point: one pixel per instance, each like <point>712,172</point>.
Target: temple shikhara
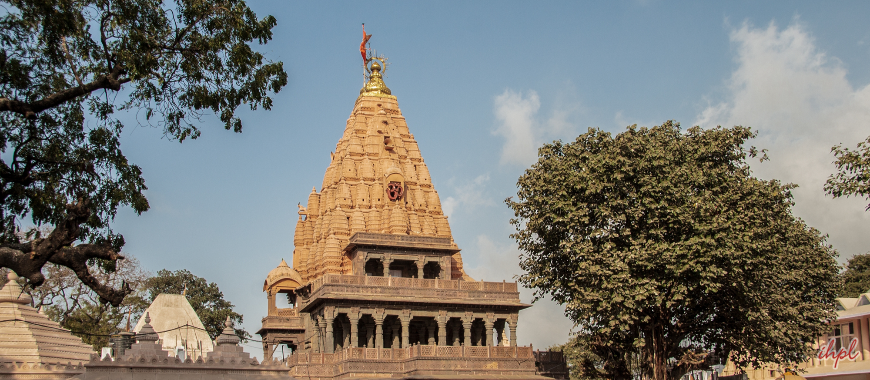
<point>377,284</point>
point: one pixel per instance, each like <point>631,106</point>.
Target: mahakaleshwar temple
<point>376,290</point>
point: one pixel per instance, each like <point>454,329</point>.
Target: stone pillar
<point>329,342</point>
<point>446,263</point>
<point>420,263</point>
<point>328,319</point>
<point>266,350</point>
<point>442,329</point>
<point>370,335</point>
<point>405,318</point>
<point>488,325</point>
<point>512,325</point>
<point>272,306</point>
<point>354,326</point>
<point>387,261</point>
<point>379,328</point>
<point>466,324</point>
<point>456,326</point>
<point>321,326</point>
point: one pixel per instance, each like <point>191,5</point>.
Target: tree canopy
<point>856,278</point>
<point>66,67</point>
<point>853,172</point>
<point>660,241</point>
<point>205,297</point>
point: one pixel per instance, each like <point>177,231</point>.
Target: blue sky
<point>482,84</point>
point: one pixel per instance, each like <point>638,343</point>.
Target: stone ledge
<point>404,241</point>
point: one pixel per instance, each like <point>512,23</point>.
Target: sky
<point>482,85</point>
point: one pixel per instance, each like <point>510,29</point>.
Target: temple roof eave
<point>370,239</point>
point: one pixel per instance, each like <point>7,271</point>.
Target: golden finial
<point>375,85</point>
<point>375,81</point>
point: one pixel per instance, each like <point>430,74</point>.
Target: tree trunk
<point>657,352</point>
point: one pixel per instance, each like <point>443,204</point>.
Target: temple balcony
<point>409,290</point>
<point>283,319</point>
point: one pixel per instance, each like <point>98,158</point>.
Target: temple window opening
<point>403,268</point>
<point>285,299</point>
<point>374,267</point>
<point>432,270</point>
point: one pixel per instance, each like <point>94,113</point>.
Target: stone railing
<point>433,351</point>
<point>417,283</point>
<point>287,313</point>
<point>416,361</point>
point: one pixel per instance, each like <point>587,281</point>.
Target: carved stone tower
<point>377,182</point>
<point>377,280</point>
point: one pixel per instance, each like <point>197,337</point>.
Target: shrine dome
<point>282,272</point>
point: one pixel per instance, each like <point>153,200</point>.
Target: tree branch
<point>76,258</point>
<point>29,110</point>
<point>27,259</point>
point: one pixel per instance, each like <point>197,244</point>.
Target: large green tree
<point>66,67</point>
<point>661,241</point>
<point>853,172</point>
<point>205,297</point>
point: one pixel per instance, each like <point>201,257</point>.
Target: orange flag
<point>362,46</point>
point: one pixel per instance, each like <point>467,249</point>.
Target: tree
<point>590,358</point>
<point>205,297</point>
<point>856,278</point>
<point>67,301</point>
<point>660,240</point>
<point>65,62</point>
<point>853,172</point>
<point>583,363</point>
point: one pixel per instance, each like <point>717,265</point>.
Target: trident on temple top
<point>367,58</point>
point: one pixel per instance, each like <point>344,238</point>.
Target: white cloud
<point>800,101</point>
<point>542,325</point>
<point>516,117</point>
<point>518,122</point>
<point>469,194</point>
<point>448,205</point>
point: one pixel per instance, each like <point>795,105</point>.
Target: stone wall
<point>154,368</point>
<point>20,370</point>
